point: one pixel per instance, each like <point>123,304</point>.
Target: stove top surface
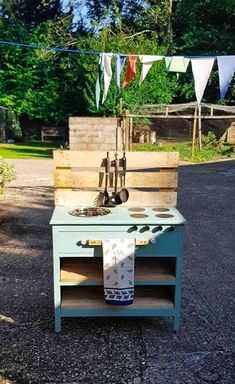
<point>119,216</point>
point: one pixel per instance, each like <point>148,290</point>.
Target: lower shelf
<point>92,298</point>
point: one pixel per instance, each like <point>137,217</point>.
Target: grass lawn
<point>29,150</point>
<point>207,153</point>
<point>39,150</point>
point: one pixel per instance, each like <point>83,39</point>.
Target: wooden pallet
<point>151,178</point>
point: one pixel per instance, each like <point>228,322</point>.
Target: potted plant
<point>7,173</point>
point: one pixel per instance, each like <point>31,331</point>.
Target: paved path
<point>33,173</point>
<point>118,351</point>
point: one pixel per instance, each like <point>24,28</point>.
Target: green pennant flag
<point>177,64</point>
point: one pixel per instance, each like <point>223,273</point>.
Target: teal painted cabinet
<point>77,260</point>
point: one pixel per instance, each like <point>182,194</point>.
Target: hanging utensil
<point>124,194</point>
<point>117,199</point>
<point>107,170</point>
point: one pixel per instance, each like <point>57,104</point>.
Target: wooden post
<point>117,134</point>
<point>142,137</point>
<point>212,110</point>
<point>124,133</point>
<point>194,130</point>
<point>127,134</point>
<point>131,132</point>
<point>120,106</point>
<point>200,126</point>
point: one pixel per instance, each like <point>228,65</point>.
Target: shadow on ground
<point>128,350</point>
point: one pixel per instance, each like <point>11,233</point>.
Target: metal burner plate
<point>139,215</point>
<point>136,209</point>
<point>161,209</point>
<point>164,215</point>
<point>90,212</point>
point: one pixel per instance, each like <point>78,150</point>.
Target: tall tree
<point>150,17</point>
<point>204,26</point>
<point>30,13</point>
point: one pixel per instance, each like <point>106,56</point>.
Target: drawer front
<point>165,244</point>
<point>71,242</point>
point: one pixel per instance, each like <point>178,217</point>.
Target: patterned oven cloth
<point>118,268</point>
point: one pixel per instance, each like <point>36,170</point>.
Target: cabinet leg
<point>176,323</point>
<point>57,322</point>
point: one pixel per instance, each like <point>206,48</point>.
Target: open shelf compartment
<point>92,298</point>
<point>89,271</point>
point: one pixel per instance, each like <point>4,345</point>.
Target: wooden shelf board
<point>84,298</point>
<point>90,271</point>
<point>94,283</point>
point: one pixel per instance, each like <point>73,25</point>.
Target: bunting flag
<point>99,79</point>
<point>107,74</point>
<point>201,73</point>
<point>120,61</point>
<point>147,62</point>
<point>131,70</point>
<point>177,64</point>
<point>226,65</point>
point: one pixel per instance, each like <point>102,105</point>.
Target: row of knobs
<point>147,228</point>
<point>135,228</point>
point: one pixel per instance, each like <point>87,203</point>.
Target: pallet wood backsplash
<point>151,178</point>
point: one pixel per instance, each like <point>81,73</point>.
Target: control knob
<point>133,228</point>
<point>157,229</point>
<point>145,228</point>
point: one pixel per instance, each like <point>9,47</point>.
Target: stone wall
<point>94,134</point>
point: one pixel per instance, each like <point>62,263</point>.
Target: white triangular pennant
<point>226,65</point>
<point>201,73</point>
<point>147,62</point>
<point>107,74</point>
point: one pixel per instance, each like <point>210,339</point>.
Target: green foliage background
<point>51,86</point>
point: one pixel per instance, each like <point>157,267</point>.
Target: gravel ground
<point>118,351</point>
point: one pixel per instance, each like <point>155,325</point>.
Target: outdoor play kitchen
<point>117,235</point>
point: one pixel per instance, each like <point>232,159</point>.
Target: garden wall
<point>94,133</point>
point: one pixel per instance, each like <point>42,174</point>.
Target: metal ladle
<point>124,193</point>
<point>117,198</point>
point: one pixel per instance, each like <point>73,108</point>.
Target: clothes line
<point>48,48</point>
<point>2,42</point>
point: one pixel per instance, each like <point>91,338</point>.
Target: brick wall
<point>94,133</point>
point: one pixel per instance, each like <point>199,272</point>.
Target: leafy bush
<point>7,173</point>
<point>209,140</point>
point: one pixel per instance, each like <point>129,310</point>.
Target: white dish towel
<point>118,268</point>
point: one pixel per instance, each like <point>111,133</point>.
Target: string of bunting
<point>201,68</point>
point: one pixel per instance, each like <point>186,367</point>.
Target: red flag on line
<point>131,70</point>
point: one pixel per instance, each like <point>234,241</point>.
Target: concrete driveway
<point>118,351</point>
